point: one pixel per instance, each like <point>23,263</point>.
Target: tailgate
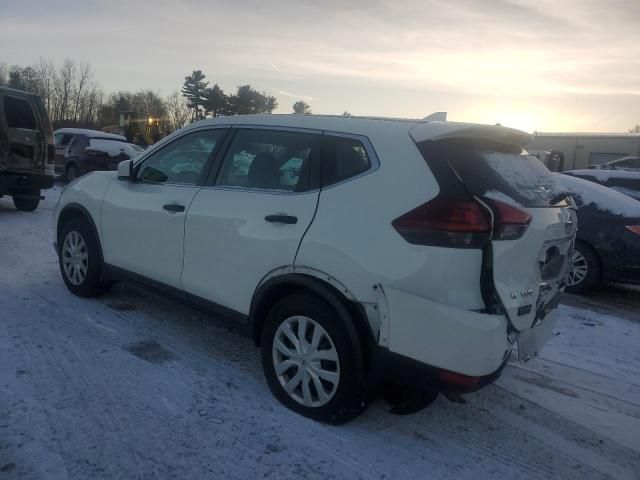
<point>532,223</point>
<point>529,272</point>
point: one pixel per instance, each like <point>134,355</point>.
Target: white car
<point>350,249</point>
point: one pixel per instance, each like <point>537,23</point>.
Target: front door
<point>251,218</point>
<point>142,223</point>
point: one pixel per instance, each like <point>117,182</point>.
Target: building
<point>579,150</point>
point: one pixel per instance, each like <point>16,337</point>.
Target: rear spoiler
<point>441,130</point>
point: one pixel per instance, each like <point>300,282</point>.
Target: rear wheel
<point>72,172</point>
<point>585,270</point>
<point>79,259</point>
<point>310,361</point>
<point>28,204</point>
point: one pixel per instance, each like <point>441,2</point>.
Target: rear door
<point>251,218</point>
<point>24,150</point>
<point>533,224</point>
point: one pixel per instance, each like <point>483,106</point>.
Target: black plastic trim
<point>87,216</point>
<point>323,290</point>
<point>233,319</point>
<point>388,365</point>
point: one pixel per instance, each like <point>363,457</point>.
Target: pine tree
<point>194,89</point>
<point>216,102</point>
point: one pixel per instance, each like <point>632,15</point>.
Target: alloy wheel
<point>306,361</point>
<point>579,269</point>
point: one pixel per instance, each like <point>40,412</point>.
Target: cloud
<point>537,51</point>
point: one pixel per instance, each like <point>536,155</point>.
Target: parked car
<point>625,163</point>
<point>26,148</point>
<point>623,181</point>
<point>80,151</point>
<point>607,245</point>
<point>350,249</point>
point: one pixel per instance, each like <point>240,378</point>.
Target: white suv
<point>350,249</point>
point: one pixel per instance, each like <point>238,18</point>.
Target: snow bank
<point>603,198</point>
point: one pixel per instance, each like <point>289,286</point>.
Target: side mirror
<point>125,170</point>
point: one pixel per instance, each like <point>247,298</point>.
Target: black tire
<point>27,204</point>
<point>72,172</point>
<point>93,284</point>
<point>594,269</point>
<point>349,399</point>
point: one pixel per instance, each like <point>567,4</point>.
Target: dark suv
<point>26,148</point>
<point>80,151</point>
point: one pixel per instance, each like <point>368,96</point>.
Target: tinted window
<point>114,148</point>
<point>19,114</point>
<point>182,161</point>
<point>271,160</point>
<point>63,138</point>
<point>494,169</point>
<point>343,158</point>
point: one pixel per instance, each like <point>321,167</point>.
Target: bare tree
<point>46,72</point>
<point>4,73</point>
<point>84,77</point>
<point>64,87</point>
<point>178,110</point>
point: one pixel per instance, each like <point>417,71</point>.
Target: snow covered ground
<point>135,386</point>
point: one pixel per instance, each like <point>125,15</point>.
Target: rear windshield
<point>114,148</point>
<point>495,170</point>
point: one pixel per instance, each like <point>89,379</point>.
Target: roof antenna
<point>437,117</point>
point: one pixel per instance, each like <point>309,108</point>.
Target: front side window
<point>343,158</point>
<point>182,161</point>
<point>19,114</point>
<point>271,160</point>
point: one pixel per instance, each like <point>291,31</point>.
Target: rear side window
<point>19,113</point>
<point>343,158</point>
<point>271,160</point>
<point>495,170</point>
<point>63,139</point>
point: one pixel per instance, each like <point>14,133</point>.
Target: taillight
<point>458,379</point>
<point>510,222</point>
<point>445,222</point>
<point>51,154</point>
<point>634,228</point>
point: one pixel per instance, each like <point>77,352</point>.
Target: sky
<point>543,65</point>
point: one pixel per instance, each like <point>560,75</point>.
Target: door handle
<point>173,207</point>
<point>280,218</point>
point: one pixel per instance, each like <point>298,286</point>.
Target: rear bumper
<point>17,181</point>
<point>387,365</point>
<point>444,337</point>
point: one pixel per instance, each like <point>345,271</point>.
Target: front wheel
<point>585,269</point>
<point>79,259</point>
<point>311,363</point>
